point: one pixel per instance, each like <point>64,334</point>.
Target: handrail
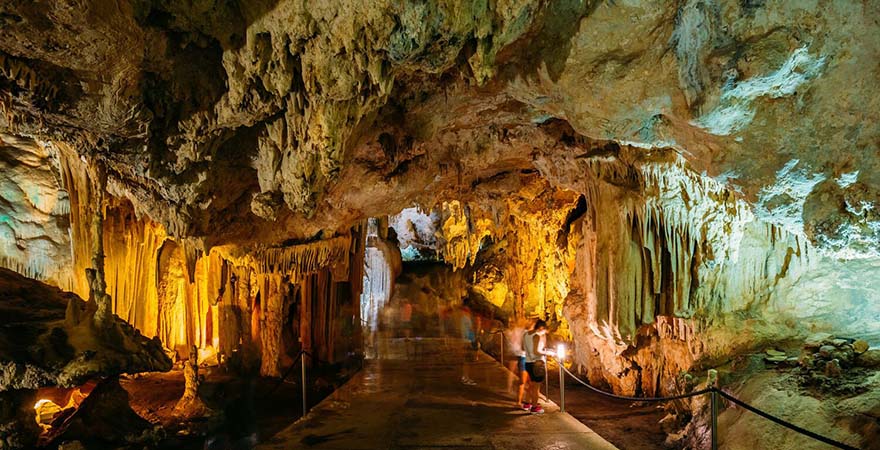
<point>784,423</point>
<point>635,399</point>
<point>710,390</point>
<point>281,380</point>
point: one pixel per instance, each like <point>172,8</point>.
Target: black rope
<point>788,425</point>
<point>637,399</point>
<point>733,399</point>
<point>296,361</point>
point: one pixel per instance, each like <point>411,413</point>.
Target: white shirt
<point>531,351</point>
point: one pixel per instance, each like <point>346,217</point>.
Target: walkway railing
<point>300,359</point>
<point>714,392</point>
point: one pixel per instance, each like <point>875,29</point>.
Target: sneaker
<point>537,409</point>
<point>526,406</point>
<point>468,381</point>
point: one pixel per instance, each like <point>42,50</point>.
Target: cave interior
<point>198,197</point>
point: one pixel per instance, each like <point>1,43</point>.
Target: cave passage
<point>416,399</point>
<point>202,200</point>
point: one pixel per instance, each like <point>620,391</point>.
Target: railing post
<point>560,359</point>
<point>546,379</point>
<point>561,389</point>
<point>713,399</point>
<point>302,363</point>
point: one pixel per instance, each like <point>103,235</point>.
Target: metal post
<point>561,388</point>
<point>560,359</point>
<point>546,379</point>
<point>302,363</point>
<point>713,396</point>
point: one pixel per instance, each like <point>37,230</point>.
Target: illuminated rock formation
<point>191,404</point>
<point>669,183</point>
<point>33,212</point>
<point>51,339</point>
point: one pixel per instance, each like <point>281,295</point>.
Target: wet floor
<point>432,393</point>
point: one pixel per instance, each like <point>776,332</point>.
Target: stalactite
<point>298,260</point>
<point>660,263</point>
<point>76,181</point>
<point>271,323</point>
<point>98,284</point>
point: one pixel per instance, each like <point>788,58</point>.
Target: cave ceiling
<point>270,120</point>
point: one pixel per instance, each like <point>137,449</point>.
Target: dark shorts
<point>535,375</point>
<point>521,365</point>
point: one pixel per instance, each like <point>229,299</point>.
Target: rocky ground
<point>827,385</point>
<point>243,410</point>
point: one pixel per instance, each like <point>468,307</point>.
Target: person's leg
<point>535,388</point>
<point>523,385</point>
<point>523,379</point>
<point>530,387</point>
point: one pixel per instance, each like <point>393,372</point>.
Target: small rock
<point>806,360</point>
<point>668,423</point>
<point>827,350</point>
<point>844,355</point>
<point>860,346</point>
<point>774,352</point>
<point>775,359</point>
<point>839,342</point>
<point>869,359</point>
<point>832,368</point>
<point>816,340</point>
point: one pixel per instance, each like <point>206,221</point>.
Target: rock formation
<point>670,183</point>
<point>51,339</point>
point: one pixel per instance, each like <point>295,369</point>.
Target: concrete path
<point>415,399</point>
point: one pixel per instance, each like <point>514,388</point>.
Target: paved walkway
<point>415,399</point>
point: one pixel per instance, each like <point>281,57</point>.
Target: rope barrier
<point>287,372</point>
<point>784,423</point>
<point>636,399</point>
<point>729,397</point>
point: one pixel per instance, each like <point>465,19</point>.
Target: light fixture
<point>560,351</point>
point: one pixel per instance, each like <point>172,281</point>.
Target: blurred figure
<point>515,337</point>
<point>466,324</point>
<point>405,316</point>
<point>469,331</point>
<point>533,343</point>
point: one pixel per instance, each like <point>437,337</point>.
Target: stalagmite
<point>670,185</point>
<point>97,283</point>
<point>191,404</point>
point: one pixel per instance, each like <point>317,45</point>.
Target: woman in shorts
<point>533,344</point>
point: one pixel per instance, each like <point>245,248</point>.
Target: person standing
<point>534,342</point>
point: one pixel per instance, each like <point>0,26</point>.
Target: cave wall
<point>34,238</point>
<point>223,300</point>
<point>651,269</point>
<point>257,124</point>
<point>209,112</point>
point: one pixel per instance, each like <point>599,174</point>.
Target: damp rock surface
<point>39,347</point>
<point>668,183</point>
<point>208,112</point>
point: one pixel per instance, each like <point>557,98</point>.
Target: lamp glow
<point>560,351</point>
